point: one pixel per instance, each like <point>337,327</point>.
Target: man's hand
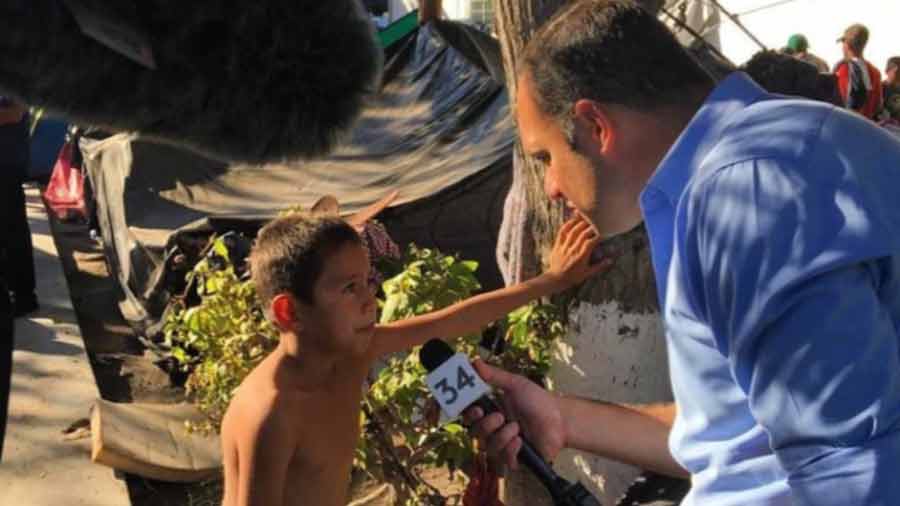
<point>527,407</point>
<point>570,260</point>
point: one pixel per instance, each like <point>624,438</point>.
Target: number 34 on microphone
<point>456,385</point>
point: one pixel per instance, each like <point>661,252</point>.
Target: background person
<point>891,88</point>
<point>858,80</point>
<point>14,158</point>
<point>798,47</point>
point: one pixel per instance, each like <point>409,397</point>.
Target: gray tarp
<point>439,131</point>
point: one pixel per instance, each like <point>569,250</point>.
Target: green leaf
<point>471,265</point>
<point>389,311</point>
<point>192,318</point>
<point>179,354</point>
<point>454,428</point>
<point>220,249</point>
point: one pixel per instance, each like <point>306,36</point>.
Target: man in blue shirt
<point>775,237</point>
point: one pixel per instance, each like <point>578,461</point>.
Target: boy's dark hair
<point>290,251</point>
<point>610,51</point>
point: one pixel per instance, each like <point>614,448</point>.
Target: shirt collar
<point>734,93</point>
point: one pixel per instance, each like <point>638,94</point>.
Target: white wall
<point>453,9</point>
<point>457,9</point>
<point>822,21</point>
<point>397,8</point>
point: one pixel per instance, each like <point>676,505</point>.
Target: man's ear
<point>284,312</point>
<point>596,119</point>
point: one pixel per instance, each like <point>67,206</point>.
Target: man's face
<point>343,311</point>
<point>568,175</point>
<point>580,174</point>
<point>891,74</point>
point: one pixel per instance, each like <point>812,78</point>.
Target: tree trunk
<point>429,10</point>
<point>615,346</point>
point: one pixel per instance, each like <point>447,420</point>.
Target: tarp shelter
<point>439,131</point>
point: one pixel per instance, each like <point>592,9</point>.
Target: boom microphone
<point>255,82</point>
<point>456,387</point>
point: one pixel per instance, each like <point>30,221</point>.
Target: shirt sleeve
<point>800,307</point>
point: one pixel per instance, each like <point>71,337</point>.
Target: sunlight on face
<point>568,175</point>
<point>344,310</point>
<point>595,172</point>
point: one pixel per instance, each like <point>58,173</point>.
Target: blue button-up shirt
<point>775,235</point>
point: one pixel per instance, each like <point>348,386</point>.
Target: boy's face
<point>343,311</point>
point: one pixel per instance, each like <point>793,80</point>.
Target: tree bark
<point>515,22</point>
<point>429,10</point>
<point>615,347</point>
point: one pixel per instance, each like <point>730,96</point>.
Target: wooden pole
<point>429,10</point>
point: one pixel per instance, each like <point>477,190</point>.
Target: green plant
<point>223,337</point>
<point>530,332</point>
<point>398,400</point>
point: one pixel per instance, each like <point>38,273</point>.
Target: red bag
<point>64,194</point>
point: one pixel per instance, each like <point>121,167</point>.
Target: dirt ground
<point>124,372</point>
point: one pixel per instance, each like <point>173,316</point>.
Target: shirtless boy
<point>290,431</point>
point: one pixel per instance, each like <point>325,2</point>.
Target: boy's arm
<point>569,264</point>
<point>265,448</point>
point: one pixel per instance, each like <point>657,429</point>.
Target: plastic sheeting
<point>439,131</point>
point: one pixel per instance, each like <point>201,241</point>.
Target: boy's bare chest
<point>329,431</point>
<point>332,423</point>
<point>324,482</point>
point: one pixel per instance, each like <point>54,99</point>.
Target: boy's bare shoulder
<point>257,408</point>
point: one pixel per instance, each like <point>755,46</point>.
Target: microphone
<point>456,386</point>
<point>251,82</point>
